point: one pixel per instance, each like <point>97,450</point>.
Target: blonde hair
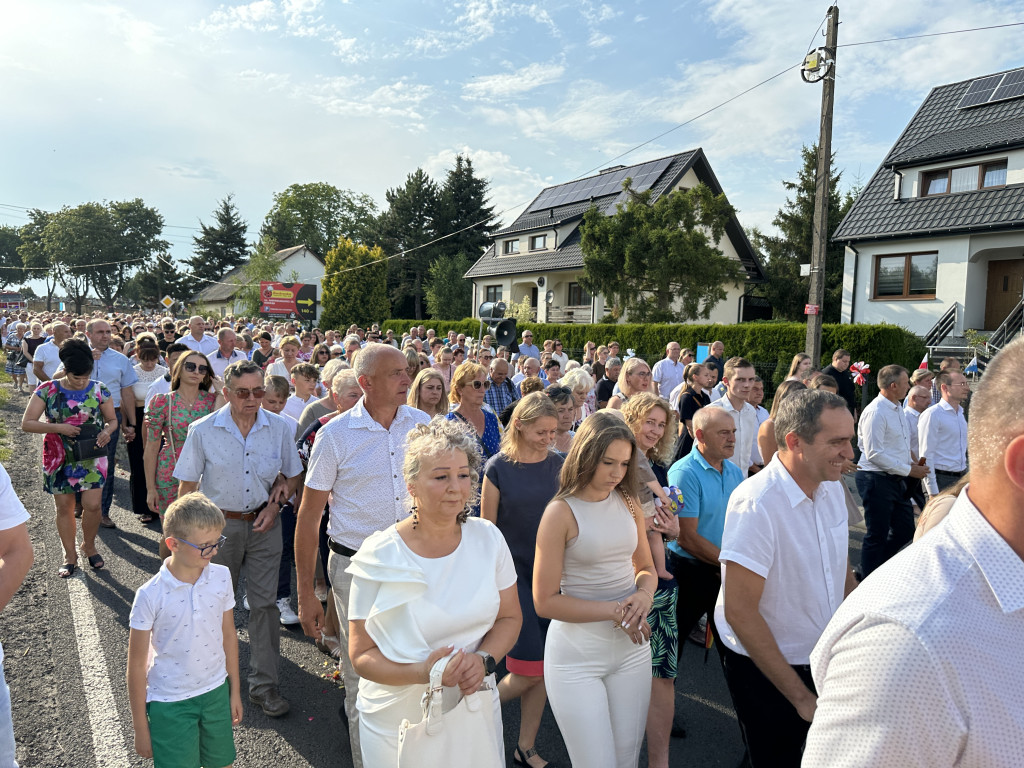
<point>531,407</point>
<point>578,380</point>
<point>190,513</point>
<point>627,369</point>
<point>441,435</point>
<point>290,340</point>
<point>598,431</point>
<point>637,408</point>
<point>413,398</point>
<point>530,385</point>
<point>794,366</point>
<point>465,373</point>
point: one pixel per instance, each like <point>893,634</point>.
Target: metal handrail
<point>1010,327</point>
<point>943,327</point>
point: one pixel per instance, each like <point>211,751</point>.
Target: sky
<point>182,103</point>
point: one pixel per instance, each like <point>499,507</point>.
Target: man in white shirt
<point>885,461</point>
<point>667,373</point>
<point>739,377</point>
<point>921,666</point>
<point>785,570</point>
<point>942,433</point>
<point>47,358</point>
<point>244,459</point>
<point>197,339</point>
<point>917,402</point>
<point>226,353</point>
<point>359,456</point>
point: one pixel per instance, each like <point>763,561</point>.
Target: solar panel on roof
<point>644,177</point>
<point>993,88</point>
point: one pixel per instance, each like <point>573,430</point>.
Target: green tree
<point>462,211</point>
<point>133,237</point>
<point>12,268</point>
<point>405,228</point>
<point>449,294</point>
<point>782,254</point>
<point>648,258</point>
<point>155,280</point>
<point>262,266</point>
<point>75,240</point>
<point>354,286</point>
<point>33,253</point>
<point>318,215</point>
<point>218,249</point>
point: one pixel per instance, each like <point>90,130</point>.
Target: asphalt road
<point>66,648</point>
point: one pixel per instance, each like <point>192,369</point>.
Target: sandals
<point>67,570</point>
<point>147,519</point>
<point>95,561</point>
<point>521,757</point>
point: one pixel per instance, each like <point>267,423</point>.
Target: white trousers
<point>341,586</point>
<point>599,687</point>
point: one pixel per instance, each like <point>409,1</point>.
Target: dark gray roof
<point>939,131</point>
<point>569,255</point>
<point>219,292</point>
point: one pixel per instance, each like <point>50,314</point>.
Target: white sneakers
<point>288,616</point>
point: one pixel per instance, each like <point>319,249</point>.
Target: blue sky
<point>182,103</point>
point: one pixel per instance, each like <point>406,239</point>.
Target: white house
<point>939,229</point>
<point>539,254</point>
<point>298,265</point>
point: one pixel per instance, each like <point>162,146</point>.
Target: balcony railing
<point>570,314</point>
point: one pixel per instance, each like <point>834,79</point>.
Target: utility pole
<point>824,61</point>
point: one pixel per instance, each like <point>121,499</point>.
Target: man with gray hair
<point>884,438</point>
<point>785,558</point>
<point>197,339</point>
<point>502,392</point>
<point>226,353</point>
<point>357,465</point>
<point>921,666</point>
<point>606,386</point>
<point>243,458</point>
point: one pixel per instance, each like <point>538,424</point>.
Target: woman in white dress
<point>438,583</point>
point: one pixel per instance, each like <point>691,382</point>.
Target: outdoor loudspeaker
<point>503,332</point>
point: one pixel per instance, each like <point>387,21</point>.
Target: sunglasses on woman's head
<point>192,367</point>
<point>484,385</point>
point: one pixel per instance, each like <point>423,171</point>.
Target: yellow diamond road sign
<point>167,301</point>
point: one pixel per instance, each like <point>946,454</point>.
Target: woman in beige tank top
<point>594,577</point>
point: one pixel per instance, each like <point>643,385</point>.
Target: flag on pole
<point>924,363</point>
<point>972,367</point>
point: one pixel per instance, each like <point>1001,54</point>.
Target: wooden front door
<point>1005,290</point>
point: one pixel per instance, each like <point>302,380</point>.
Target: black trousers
<point>947,479</point>
<point>137,480</point>
<point>773,731</point>
<point>699,584</point>
<point>888,516</point>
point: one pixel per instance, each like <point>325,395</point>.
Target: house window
<point>511,247</point>
<point>906,276</point>
<point>965,178</point>
<point>492,293</point>
<point>578,297</point>
<point>538,242</point>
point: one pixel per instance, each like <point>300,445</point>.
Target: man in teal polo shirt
<point>706,480</point>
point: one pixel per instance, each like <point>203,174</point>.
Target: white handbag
<point>464,737</point>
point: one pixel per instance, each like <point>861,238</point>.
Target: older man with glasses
<point>244,459</point>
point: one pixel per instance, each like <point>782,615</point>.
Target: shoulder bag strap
<point>629,504</point>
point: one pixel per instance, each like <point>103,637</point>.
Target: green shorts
<point>664,636</point>
<point>192,732</point>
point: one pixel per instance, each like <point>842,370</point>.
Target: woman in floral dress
<point>167,420</point>
<point>68,404</point>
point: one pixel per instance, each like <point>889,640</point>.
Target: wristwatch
<point>489,663</point>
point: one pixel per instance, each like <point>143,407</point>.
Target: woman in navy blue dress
<point>519,481</point>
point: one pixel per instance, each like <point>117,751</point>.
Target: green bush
<point>769,345</point>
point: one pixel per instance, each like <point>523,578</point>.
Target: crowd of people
<point>451,509</point>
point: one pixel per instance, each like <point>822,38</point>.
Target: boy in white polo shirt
<point>183,649</point>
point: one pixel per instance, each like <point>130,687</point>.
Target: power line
<point>932,34</point>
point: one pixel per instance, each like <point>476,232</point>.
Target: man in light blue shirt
<point>705,478</point>
<point>118,374</point>
<point>527,348</point>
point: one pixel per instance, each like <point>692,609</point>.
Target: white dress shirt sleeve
<point>747,538</point>
<point>877,444</point>
<point>928,426</point>
<point>881,702</point>
<point>291,464</point>
<point>189,467</point>
<point>322,470</point>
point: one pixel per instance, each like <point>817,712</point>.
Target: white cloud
<point>257,16</point>
<point>511,84</point>
<point>598,39</point>
<point>477,21</point>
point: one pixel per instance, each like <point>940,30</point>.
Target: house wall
<point>962,277</point>
<point>910,184</point>
<point>308,269</point>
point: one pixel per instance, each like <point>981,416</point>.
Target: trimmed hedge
<point>769,345</point>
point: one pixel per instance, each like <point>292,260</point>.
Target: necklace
<point>188,405</point>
